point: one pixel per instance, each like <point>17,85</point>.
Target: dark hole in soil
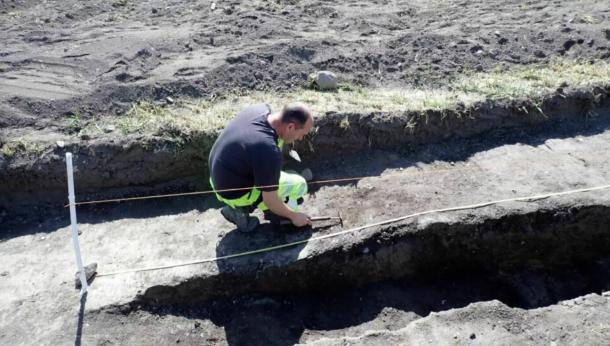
<point>281,319</point>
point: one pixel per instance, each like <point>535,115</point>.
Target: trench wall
<point>547,239</point>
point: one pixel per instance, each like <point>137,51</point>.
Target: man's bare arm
<point>272,201</point>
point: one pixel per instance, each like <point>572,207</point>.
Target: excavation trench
<point>526,259</point>
<point>115,166</point>
<point>391,277</point>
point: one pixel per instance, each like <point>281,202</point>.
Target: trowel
<point>318,218</point>
<point>293,153</point>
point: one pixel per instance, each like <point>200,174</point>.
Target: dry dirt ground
<point>518,272</point>
<point>97,57</point>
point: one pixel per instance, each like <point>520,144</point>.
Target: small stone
<point>109,128</point>
<point>473,336</point>
<point>60,144</point>
<point>169,100</point>
<point>213,6</point>
<point>154,11</point>
<point>568,44</point>
<point>476,49</point>
<point>539,54</point>
<point>502,40</point>
<point>90,272</point>
<point>4,273</point>
<point>325,80</point>
<point>197,324</point>
<point>365,250</point>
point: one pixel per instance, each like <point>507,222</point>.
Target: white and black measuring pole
<point>72,201</point>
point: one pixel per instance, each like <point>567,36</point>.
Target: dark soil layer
<point>95,58</point>
<point>547,240</point>
<point>289,318</point>
<point>118,167</point>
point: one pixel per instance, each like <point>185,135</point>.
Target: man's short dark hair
<point>296,114</point>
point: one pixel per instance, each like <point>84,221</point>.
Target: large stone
<point>90,272</point>
<point>325,80</point>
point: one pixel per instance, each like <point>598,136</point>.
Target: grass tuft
<point>531,82</point>
<point>21,146</point>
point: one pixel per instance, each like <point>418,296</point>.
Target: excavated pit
<point>399,275</point>
<point>545,242</point>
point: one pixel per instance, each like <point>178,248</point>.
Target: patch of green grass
<point>74,122</point>
<point>8,150</point>
<point>532,82</point>
<point>140,117</point>
<point>21,146</point>
<point>344,124</point>
<point>210,116</point>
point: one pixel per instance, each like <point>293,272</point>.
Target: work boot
<point>238,216</point>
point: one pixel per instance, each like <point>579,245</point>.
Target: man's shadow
<point>265,250</point>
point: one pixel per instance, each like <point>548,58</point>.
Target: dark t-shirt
<point>246,154</point>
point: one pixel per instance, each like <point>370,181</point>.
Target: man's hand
<point>279,208</point>
<point>300,219</point>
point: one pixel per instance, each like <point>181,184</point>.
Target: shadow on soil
<point>456,149</point>
<point>282,319</point>
<point>266,235</point>
<point>101,213</point>
<point>524,260</point>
